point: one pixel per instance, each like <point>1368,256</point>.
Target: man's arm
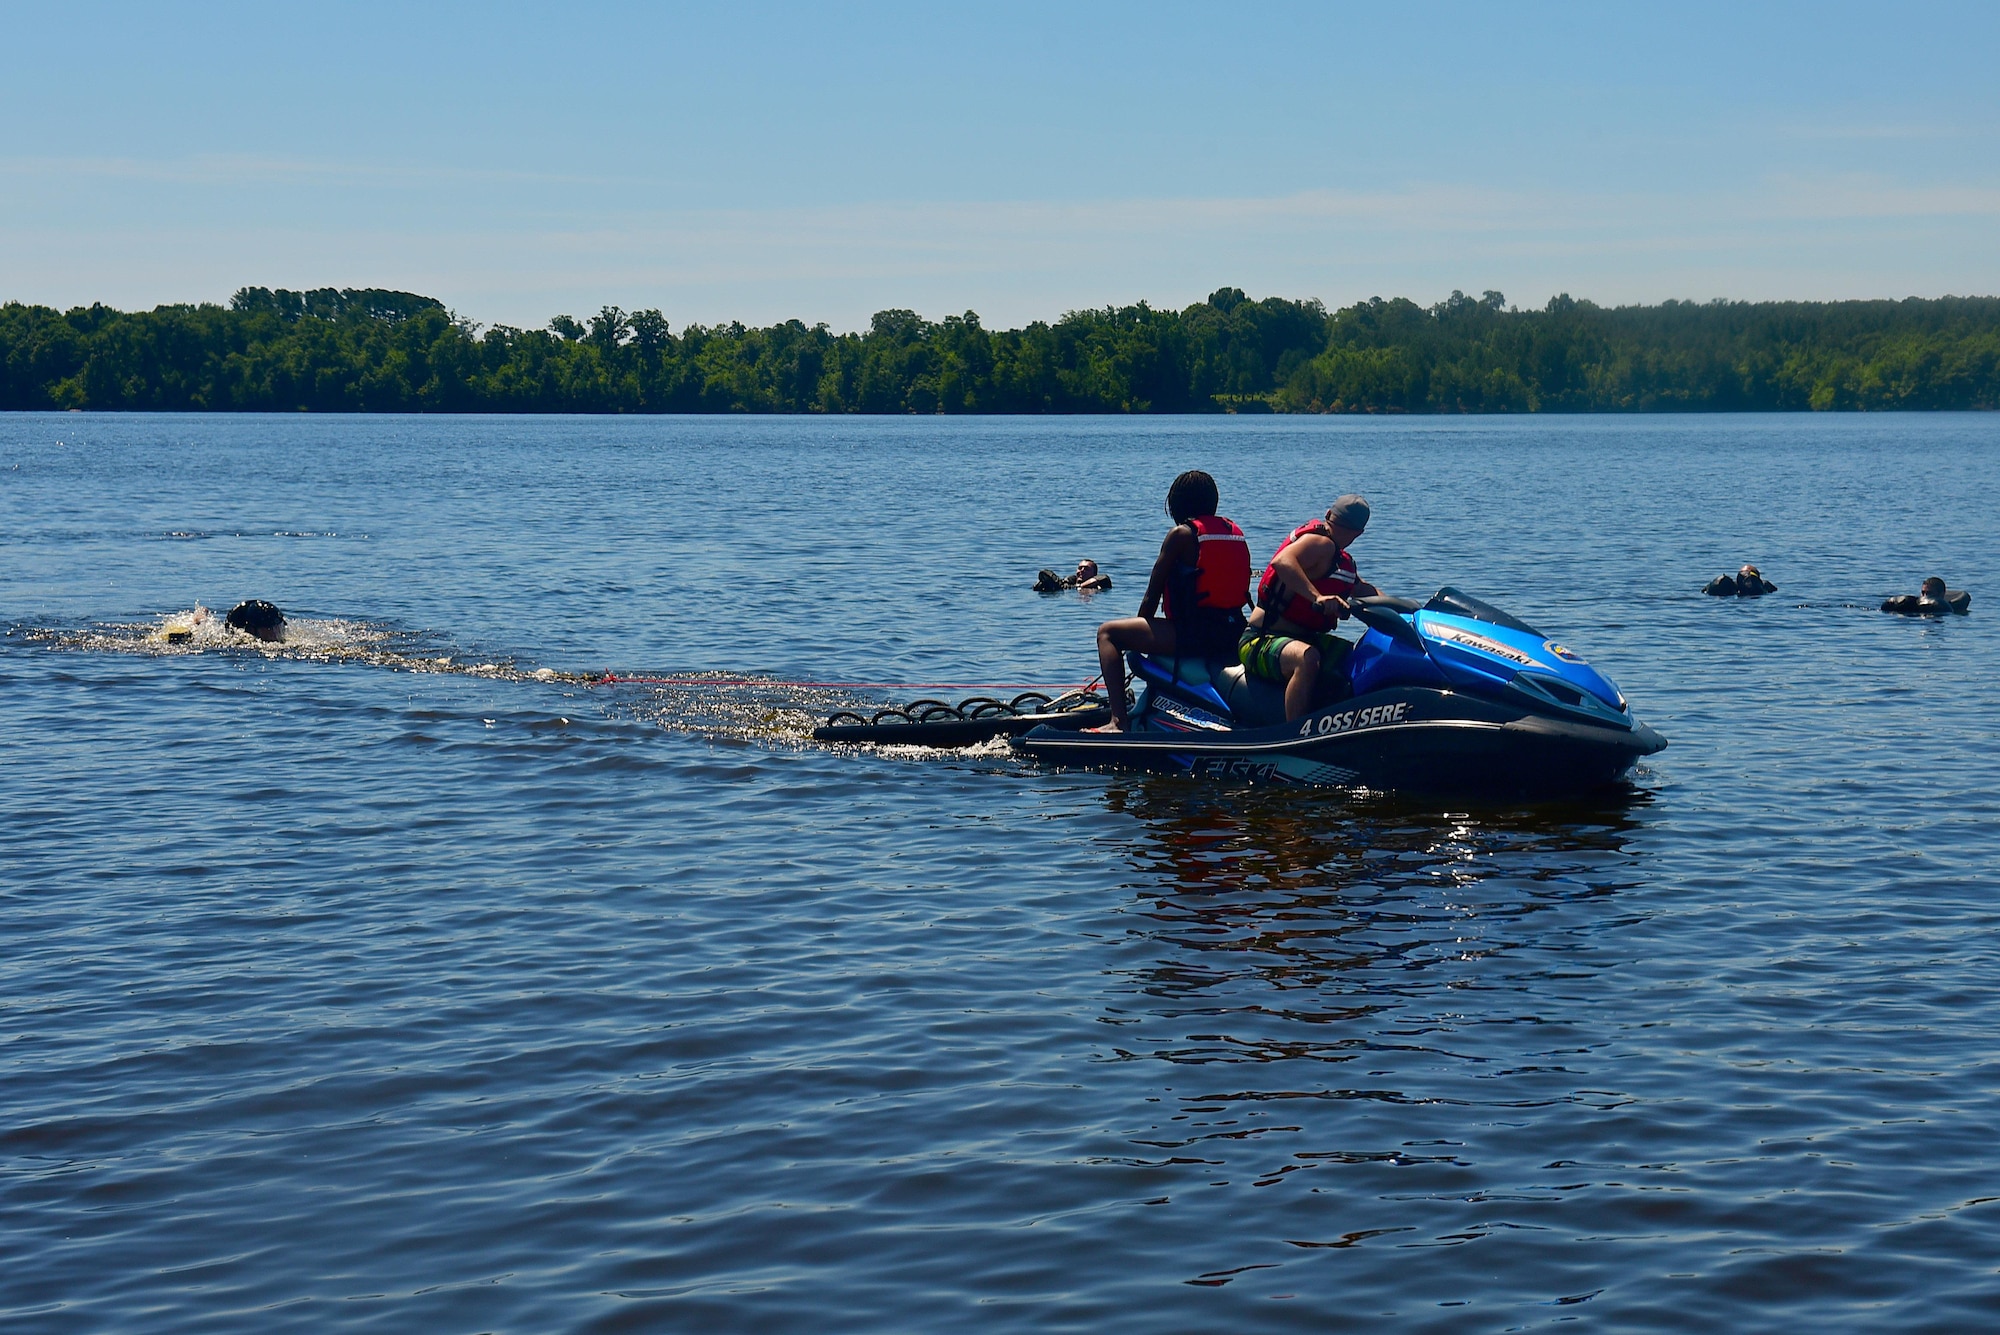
<point>1295,573</point>
<point>1179,549</point>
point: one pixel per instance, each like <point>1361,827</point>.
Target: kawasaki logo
<point>1479,642</point>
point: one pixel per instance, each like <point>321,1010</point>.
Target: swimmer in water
<point>182,633</point>
<point>259,620</point>
<point>1085,580</point>
<point>1934,601</point>
<point>1749,582</point>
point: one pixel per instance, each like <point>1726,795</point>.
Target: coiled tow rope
<point>967,723</point>
<point>928,721</point>
<point>978,707</point>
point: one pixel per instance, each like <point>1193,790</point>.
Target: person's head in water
<point>1192,496</point>
<point>1933,587</point>
<point>1751,572</point>
<point>258,619</point>
<point>1347,516</point>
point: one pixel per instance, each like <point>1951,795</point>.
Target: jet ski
<point>1450,695</point>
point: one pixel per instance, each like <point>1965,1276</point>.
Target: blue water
<point>376,984</point>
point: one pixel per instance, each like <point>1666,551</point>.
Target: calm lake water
<point>377,984</point>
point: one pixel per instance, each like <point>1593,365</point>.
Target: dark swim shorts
<point>1259,652</point>
<point>1207,636</point>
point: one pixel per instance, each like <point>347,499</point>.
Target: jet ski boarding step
<point>967,723</point>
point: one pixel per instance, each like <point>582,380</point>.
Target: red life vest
<point>1339,581</point>
<point>1219,580</point>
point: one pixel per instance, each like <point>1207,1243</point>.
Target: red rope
<point>611,679</point>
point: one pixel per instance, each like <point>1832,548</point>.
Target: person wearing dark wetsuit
<point>1201,581</point>
<point>1935,601</point>
<point>1085,580</point>
<point>259,620</point>
<point>1748,582</point>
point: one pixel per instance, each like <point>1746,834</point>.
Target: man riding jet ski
<point>1453,695</point>
<point>1303,593</point>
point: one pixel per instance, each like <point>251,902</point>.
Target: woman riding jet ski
<point>1201,580</point>
<point>1454,695</point>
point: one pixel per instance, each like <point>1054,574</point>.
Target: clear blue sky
<point>761,161</point>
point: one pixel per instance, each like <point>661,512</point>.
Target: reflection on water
<point>1360,893</point>
<point>1319,977</point>
<point>477,994</point>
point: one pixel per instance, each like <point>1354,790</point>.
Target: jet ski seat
<point>1256,703</point>
<point>1253,702</point>
<point>1190,671</point>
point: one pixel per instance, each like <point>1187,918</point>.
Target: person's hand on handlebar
<point>1331,602</point>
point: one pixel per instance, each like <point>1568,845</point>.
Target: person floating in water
<point>182,632</point>
<point>1935,601</point>
<point>1304,591</point>
<point>1749,582</point>
<point>1201,582</point>
<point>259,620</point>
<point>1085,580</point>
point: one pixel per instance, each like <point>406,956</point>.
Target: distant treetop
<point>328,303</point>
<point>377,350</point>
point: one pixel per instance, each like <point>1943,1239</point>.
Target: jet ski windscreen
<point>1451,600</point>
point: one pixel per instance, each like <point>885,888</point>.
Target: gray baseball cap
<point>1349,511</point>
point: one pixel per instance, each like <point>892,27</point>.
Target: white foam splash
<point>775,713</point>
<point>199,630</point>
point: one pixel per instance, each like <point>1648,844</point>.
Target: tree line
<point>373,350</point>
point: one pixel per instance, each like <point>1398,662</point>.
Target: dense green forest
<point>366,350</point>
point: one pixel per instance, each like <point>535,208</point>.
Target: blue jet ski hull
<point>1450,700</point>
<point>1402,739</point>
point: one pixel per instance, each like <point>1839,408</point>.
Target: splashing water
<point>716,704</point>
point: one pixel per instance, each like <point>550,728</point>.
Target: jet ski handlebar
<point>1380,613</point>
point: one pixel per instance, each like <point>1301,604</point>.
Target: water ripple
<point>401,978</point>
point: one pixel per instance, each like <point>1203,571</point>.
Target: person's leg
<point>1334,680</point>
<point>1276,658</point>
<point>1300,662</point>
<point>1114,638</point>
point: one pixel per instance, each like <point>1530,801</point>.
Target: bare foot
<point>1115,725</point>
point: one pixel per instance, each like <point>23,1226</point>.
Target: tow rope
<point>613,679</point>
